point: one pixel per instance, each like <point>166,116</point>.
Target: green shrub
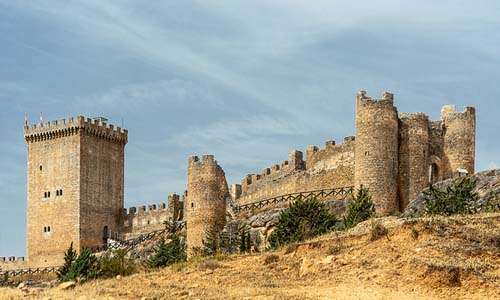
<point>168,253</point>
<point>457,198</point>
<point>82,268</point>
<point>360,209</point>
<point>301,221</point>
<point>116,263</point>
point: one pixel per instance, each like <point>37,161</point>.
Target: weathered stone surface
<point>488,189</point>
<point>67,285</point>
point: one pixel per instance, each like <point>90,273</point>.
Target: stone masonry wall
<point>139,221</point>
<point>330,167</point>
<point>459,144</point>
<point>377,150</point>
<point>206,199</point>
<point>413,156</point>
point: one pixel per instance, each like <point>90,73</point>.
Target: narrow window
<point>44,229</point>
<point>41,168</point>
<point>48,229</point>
<point>57,193</point>
<point>192,204</point>
<point>45,195</point>
<point>48,194</point>
<point>60,192</point>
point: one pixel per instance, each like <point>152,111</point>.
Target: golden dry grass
<point>429,258</point>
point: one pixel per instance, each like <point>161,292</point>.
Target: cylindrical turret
<point>459,140</point>
<point>205,208</point>
<point>376,151</point>
<point>413,156</point>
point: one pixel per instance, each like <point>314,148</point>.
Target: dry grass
<point>450,258</point>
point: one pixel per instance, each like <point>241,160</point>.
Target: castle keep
<point>76,176</point>
<point>75,186</point>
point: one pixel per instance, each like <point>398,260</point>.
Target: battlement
<point>205,160</point>
<point>414,116</point>
<point>449,112</point>
<point>294,163</point>
<point>386,100</point>
<point>315,155</point>
<point>13,263</point>
<point>66,127</point>
<point>144,209</point>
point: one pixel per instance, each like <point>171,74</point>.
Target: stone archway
<point>435,170</point>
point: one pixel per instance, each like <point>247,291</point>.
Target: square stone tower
<point>75,186</point>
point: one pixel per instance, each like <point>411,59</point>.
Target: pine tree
<point>168,253</point>
<point>360,209</point>
<point>301,221</point>
<point>69,259</point>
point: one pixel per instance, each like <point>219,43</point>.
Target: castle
<point>76,176</point>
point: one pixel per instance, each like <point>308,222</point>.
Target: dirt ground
<point>429,258</point>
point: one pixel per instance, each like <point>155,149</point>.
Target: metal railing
<point>341,192</point>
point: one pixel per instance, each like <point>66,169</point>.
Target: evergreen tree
<point>360,209</point>
<point>301,221</point>
<point>168,253</point>
<point>69,258</point>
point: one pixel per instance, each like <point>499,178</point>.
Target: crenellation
<point>329,144</point>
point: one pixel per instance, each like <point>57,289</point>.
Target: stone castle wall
<point>413,156</point>
<point>459,139</point>
<point>139,221</point>
<point>205,207</point>
<point>330,167</point>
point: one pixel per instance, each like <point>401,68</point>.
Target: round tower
<point>376,151</point>
<point>205,208</point>
<point>413,156</point>
<point>459,143</point>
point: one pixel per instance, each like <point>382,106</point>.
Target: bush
<point>360,209</point>
<point>116,263</point>
<point>84,267</point>
<point>167,254</point>
<point>302,220</point>
<point>458,198</point>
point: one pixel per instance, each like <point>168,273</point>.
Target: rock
<point>308,266</point>
<point>266,218</point>
<point>67,285</point>
<point>487,188</point>
<point>118,277</point>
<point>21,285</point>
<point>258,239</point>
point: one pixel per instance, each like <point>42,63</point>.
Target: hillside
<point>425,258</point>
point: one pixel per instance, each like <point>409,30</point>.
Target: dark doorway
<point>105,234</point>
<point>433,173</point>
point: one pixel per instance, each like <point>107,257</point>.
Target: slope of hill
<point>426,258</point>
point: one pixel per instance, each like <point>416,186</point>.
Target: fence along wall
<point>332,166</point>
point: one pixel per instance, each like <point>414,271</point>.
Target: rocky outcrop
<point>487,188</point>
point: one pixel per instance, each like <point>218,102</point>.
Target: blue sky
<point>247,81</point>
